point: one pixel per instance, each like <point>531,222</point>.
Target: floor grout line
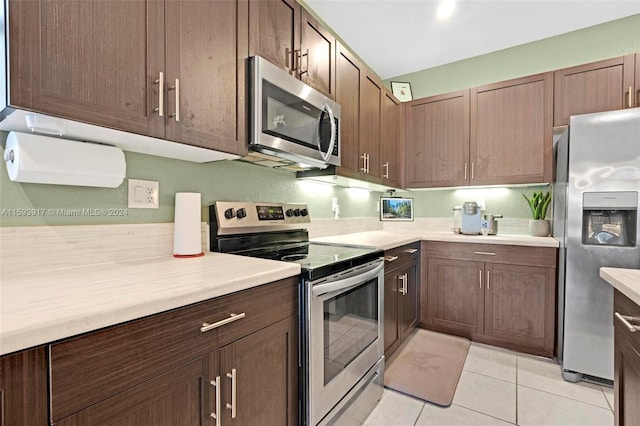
<point>569,398</point>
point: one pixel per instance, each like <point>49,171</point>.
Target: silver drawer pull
<point>233,376</point>
<point>625,321</point>
<point>216,415</point>
<point>390,258</point>
<point>234,317</point>
<point>486,253</point>
<point>411,251</point>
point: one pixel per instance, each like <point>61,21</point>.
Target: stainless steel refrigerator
<point>596,221</point>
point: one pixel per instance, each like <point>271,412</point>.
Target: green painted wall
<point>239,181</point>
<point>615,38</point>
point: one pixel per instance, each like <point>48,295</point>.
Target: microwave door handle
<point>347,283</point>
<point>327,155</point>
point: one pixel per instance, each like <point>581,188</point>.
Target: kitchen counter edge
<point>626,281</point>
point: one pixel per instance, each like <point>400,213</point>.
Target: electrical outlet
<point>144,194</point>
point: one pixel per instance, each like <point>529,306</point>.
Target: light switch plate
<point>144,194</point>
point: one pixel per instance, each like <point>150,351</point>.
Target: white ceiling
<point>396,37</point>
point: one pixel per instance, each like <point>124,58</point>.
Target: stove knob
<point>229,213</point>
<point>241,213</point>
<point>296,212</point>
<point>289,212</point>
<point>304,212</point>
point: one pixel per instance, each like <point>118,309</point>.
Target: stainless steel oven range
<point>341,306</point>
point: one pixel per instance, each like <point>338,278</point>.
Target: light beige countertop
<point>38,308</point>
<point>626,281</point>
<point>387,239</point>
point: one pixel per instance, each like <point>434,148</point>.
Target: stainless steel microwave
<point>290,120</point>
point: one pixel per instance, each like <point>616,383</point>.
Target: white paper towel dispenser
<point>42,159</point>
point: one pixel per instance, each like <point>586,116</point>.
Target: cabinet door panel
<point>520,304</point>
<point>23,388</point>
<point>206,50</point>
<point>266,364</point>
<point>595,87</point>
<point>348,74</point>
<point>92,61</point>
<point>456,298</point>
<point>370,107</point>
<point>389,139</point>
<point>318,49</point>
<point>437,144</point>
<point>511,131</point>
<point>180,397</point>
<point>274,30</point>
<point>391,331</point>
<point>408,315</point>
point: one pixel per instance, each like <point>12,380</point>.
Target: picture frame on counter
<point>402,90</point>
<point>396,209</point>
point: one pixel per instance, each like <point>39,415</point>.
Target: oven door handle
<point>347,283</point>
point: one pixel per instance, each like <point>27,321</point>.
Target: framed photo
<point>396,209</point>
<point>402,90</point>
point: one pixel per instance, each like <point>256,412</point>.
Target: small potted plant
<point>539,202</point>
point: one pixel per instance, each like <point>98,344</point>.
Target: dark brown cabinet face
<point>509,302</point>
<point>599,86</point>
<point>511,131</point>
<point>348,77</point>
<point>437,141</point>
<point>94,62</point>
<point>274,31</point>
<point>626,362</point>
<point>389,139</point>
<point>408,312</point>
<point>23,388</point>
<point>391,329</point>
<point>317,55</point>
<point>205,68</point>
<point>370,107</point>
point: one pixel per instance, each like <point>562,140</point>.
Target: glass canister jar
<point>457,219</point>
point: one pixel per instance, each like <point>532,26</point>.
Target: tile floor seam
<point>491,377</point>
<point>419,414</point>
<point>566,397</point>
<point>607,399</point>
<point>484,414</point>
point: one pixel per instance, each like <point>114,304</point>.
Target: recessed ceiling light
<point>445,9</point>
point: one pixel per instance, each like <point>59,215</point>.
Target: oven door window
<point>350,326</point>
<point>288,117</point>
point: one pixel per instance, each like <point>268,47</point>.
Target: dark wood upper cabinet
<point>23,388</point>
<point>390,139</point>
<point>370,108</point>
<point>349,73</point>
<point>598,86</point>
<point>317,55</point>
<point>437,141</point>
<point>274,32</point>
<point>90,61</point>
<point>171,70</point>
<point>511,131</point>
<point>205,73</point>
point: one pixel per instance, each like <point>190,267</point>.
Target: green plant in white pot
<point>539,203</point>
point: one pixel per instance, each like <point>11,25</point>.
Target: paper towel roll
<point>187,239</point>
<point>43,159</point>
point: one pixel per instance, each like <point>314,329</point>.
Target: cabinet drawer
<point>495,253</point>
<point>626,307</point>
<point>400,255</point>
<point>92,367</point>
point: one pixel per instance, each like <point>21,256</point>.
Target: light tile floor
<point>502,387</point>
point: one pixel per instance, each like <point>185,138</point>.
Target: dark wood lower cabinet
<point>401,278</point>
<point>23,388</point>
<point>626,362</point>
<point>495,294</point>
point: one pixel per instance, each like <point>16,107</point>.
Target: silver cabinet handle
<point>465,171</point>
<point>232,406</point>
<point>472,169</point>
<point>386,167</point>
<point>488,284</point>
<point>406,282</point>
<point>216,415</point>
<point>486,253</point>
<point>176,87</point>
<point>233,317</point>
<point>390,258</point>
<point>364,162</point>
<point>480,278</point>
<point>411,251</point>
<point>625,321</point>
<point>403,280</point>
<point>630,97</point>
<point>300,70</point>
<point>160,83</point>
